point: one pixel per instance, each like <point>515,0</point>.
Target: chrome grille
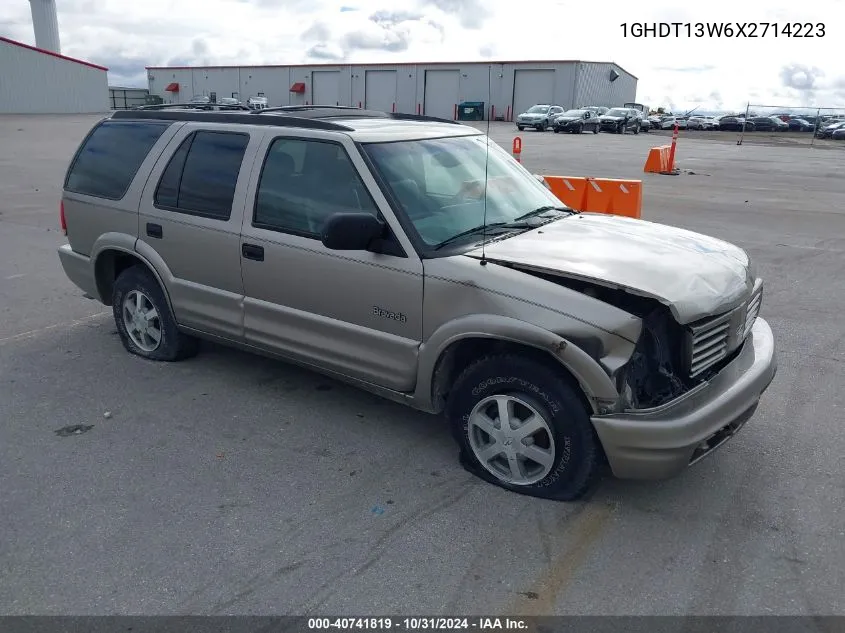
<point>709,343</point>
<point>713,339</point>
<point>752,310</point>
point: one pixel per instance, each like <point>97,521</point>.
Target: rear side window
<point>201,176</point>
<point>110,157</point>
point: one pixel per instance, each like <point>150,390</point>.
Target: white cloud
<point>679,71</point>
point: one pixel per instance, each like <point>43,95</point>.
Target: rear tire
<point>144,321</point>
<point>553,452</point>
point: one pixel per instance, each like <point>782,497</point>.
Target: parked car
<point>668,123</point>
<point>654,121</point>
<point>769,124</point>
<point>838,134</point>
<point>735,123</point>
<point>589,339</point>
<point>538,116</point>
<point>576,121</point>
<point>800,125</point>
<point>597,109</point>
<point>827,130</point>
<point>643,110</point>
<point>702,123</point>
<point>620,120</point>
<point>257,103</point>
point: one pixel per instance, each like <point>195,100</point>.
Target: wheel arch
<point>455,345</point>
<point>114,253</point>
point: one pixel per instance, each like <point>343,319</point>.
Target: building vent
<point>613,74</point>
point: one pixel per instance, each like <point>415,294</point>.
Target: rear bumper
<point>661,442</point>
<point>79,270</point>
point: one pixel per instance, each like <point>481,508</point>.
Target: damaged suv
<point>414,258</point>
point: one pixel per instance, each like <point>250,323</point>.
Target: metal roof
<point>376,64</point>
<point>51,53</point>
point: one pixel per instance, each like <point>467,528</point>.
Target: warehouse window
<point>109,158</point>
<point>201,176</point>
<point>303,182</point>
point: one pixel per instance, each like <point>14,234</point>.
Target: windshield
<point>440,184</point>
<point>574,113</point>
<point>617,112</point>
<point>538,109</point>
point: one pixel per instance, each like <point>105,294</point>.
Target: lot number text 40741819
<point>723,29</point>
<point>482,625</point>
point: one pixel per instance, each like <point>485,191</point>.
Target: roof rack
<point>223,116</point>
<point>212,107</point>
<point>323,111</point>
<point>311,117</point>
<point>292,108</point>
<point>400,116</point>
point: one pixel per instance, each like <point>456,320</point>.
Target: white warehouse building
<point>433,89</point>
<point>40,80</point>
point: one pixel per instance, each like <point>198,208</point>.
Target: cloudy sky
<point>675,72</point>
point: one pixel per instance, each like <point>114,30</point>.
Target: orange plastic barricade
<point>570,191</point>
<point>658,161</point>
<point>599,195</point>
<point>616,197</point>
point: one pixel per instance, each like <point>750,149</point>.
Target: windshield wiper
<point>542,210</point>
<point>481,228</point>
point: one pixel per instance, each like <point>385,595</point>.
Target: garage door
<point>325,86</point>
<point>442,88</point>
<point>380,90</point>
<point>531,87</point>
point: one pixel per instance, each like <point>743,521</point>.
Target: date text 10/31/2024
<point>723,29</point>
<point>480,624</point>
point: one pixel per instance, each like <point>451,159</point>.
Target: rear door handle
<point>154,230</point>
<point>251,251</point>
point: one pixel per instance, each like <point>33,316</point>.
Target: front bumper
<point>661,442</point>
<point>79,270</point>
<point>533,123</point>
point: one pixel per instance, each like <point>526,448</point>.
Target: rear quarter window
<point>109,158</point>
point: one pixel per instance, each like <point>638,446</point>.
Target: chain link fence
<point>812,127</point>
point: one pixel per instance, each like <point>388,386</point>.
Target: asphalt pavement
<point>231,484</point>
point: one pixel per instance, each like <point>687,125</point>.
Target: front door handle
<point>251,251</point>
<point>154,230</point>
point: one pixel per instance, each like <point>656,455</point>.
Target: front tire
<point>520,127</point>
<point>144,321</point>
<point>522,427</point>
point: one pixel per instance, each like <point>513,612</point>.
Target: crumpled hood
<point>695,275</point>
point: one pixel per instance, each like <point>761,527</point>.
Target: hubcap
<point>142,321</point>
<point>511,439</point>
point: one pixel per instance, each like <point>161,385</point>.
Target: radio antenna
<point>486,163</point>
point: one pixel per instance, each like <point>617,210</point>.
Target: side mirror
<point>351,231</point>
